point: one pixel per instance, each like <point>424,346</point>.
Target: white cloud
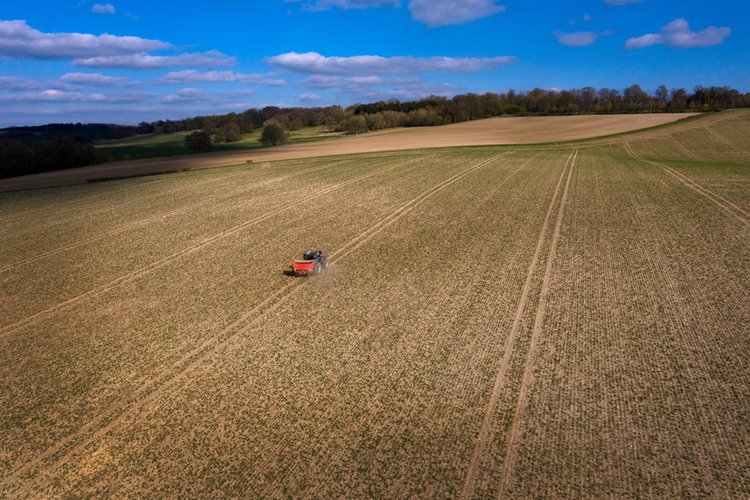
<point>433,13</point>
<point>185,95</point>
<point>436,13</point>
<point>372,88</point>
<point>18,39</point>
<point>209,59</point>
<point>314,63</point>
<point>198,101</point>
<point>331,82</point>
<point>103,8</point>
<point>234,94</point>
<point>231,106</point>
<point>402,93</point>
<point>94,79</point>
<point>677,34</point>
<point>61,96</point>
<point>309,97</point>
<point>586,18</point>
<point>579,38</point>
<point>17,83</point>
<point>319,5</point>
<point>193,76</point>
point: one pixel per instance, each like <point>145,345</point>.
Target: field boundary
<point>736,211</point>
<point>173,374</point>
<point>483,436</point>
<point>138,273</point>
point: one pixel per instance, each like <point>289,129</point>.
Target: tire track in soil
<point>178,370</point>
<point>736,211</point>
<point>106,196</point>
<point>138,273</point>
<point>370,233</point>
<point>333,372</point>
<point>99,236</point>
<point>37,211</point>
<point>726,141</point>
<point>484,432</point>
<point>528,375</point>
<point>682,148</point>
<point>139,223</point>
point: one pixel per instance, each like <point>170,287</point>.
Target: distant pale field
<point>567,320</point>
<point>493,131</point>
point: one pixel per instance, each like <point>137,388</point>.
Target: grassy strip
<point>159,146</point>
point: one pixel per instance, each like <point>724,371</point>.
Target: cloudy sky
<point>133,60</point>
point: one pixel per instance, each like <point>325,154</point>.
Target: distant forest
<point>25,150</point>
<point>392,113</point>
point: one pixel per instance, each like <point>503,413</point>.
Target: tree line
<point>23,157</point>
<point>50,147</point>
<point>80,132</point>
<point>435,110</point>
<point>539,102</point>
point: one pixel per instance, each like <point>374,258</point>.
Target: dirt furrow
<point>181,368</point>
<point>484,432</point>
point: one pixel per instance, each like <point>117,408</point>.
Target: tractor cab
<point>311,255</point>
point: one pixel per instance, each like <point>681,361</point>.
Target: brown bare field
<point>562,320</point>
<point>493,131</point>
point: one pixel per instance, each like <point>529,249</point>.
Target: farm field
<point>155,146</point>
<point>568,319</point>
<point>492,131</point>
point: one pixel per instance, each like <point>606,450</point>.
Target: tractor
<point>312,262</point>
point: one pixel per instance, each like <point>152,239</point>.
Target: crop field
<point>314,142</point>
<point>154,146</point>
<point>568,319</point>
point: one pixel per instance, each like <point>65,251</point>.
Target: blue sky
<point>124,61</point>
